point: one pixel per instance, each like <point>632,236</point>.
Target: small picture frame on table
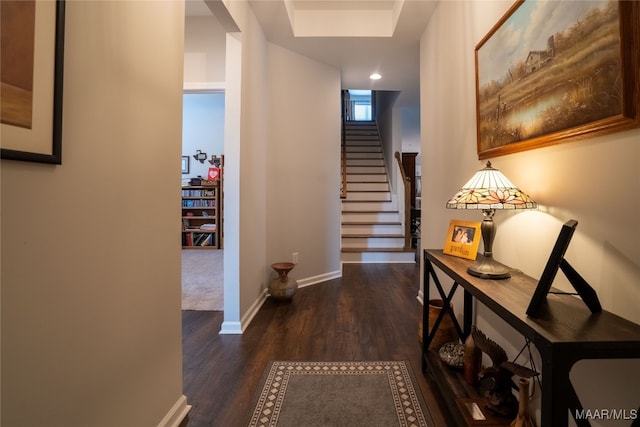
<point>463,239</point>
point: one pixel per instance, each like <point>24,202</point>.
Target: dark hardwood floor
<point>371,313</point>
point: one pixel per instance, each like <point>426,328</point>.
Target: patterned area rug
<point>335,394</point>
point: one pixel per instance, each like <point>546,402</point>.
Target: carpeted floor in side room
<point>202,279</point>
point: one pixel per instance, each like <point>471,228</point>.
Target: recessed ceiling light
<point>375,76</point>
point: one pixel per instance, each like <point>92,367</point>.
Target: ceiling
<point>359,37</point>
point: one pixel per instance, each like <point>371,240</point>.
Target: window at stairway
<point>361,104</point>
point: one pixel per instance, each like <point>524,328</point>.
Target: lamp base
<point>486,267</point>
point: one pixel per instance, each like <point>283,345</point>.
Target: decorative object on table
<point>463,239</point>
<point>452,354</point>
<point>496,380</point>
<point>215,160</point>
<point>564,90</point>
<point>523,419</point>
<point>472,359</point>
<point>32,58</point>
<point>446,332</point>
<point>283,287</point>
<point>200,156</point>
<point>185,164</point>
<point>489,190</point>
<point>557,261</point>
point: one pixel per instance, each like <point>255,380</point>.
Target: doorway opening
<point>361,104</point>
<point>202,145</point>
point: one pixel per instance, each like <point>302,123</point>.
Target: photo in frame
<point>463,239</point>
<point>551,72</point>
<point>185,165</point>
<point>31,78</point>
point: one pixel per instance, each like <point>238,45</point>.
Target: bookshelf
<point>201,216</point>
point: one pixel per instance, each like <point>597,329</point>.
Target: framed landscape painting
<point>31,79</point>
<point>550,72</point>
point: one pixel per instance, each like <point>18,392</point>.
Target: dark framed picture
<point>185,164</point>
<point>551,72</point>
<point>463,239</point>
<point>32,59</point>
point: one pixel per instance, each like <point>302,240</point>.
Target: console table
<point>564,331</point>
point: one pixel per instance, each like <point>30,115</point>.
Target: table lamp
<point>489,190</point>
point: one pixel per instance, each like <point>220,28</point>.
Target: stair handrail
<point>343,186</point>
<point>407,202</point>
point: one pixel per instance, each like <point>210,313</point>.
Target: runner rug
<point>336,394</point>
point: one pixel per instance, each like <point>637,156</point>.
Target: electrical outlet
<point>295,257</point>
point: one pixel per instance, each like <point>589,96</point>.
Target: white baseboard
<point>319,279</point>
<point>420,297</point>
<point>176,414</point>
<point>230,328</point>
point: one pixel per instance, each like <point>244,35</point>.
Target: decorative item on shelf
<point>215,160</point>
<point>523,419</point>
<point>452,354</point>
<point>195,181</point>
<point>496,380</point>
<point>472,359</point>
<point>200,156</point>
<point>489,190</point>
<point>213,174</point>
<point>283,287</point>
<point>446,332</point>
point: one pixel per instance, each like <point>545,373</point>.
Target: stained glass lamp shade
<point>489,190</point>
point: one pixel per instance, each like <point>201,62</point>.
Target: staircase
<point>371,226</point>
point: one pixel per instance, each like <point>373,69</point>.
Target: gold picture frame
<point>552,72</point>
<point>463,239</point>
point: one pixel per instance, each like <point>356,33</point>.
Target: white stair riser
<point>370,217</point>
<point>378,257</point>
<point>366,169</point>
<point>363,177</point>
<point>367,196</point>
<point>361,155</point>
<point>372,229</point>
<point>372,242</point>
<point>363,147</point>
<point>369,206</point>
<point>367,186</point>
<point>365,162</point>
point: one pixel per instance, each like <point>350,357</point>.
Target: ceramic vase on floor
<point>446,332</point>
<point>283,287</point>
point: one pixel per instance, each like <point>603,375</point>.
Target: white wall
<point>202,129</point>
<point>303,164</point>
<point>269,149</point>
<point>91,326</point>
<point>564,179</point>
<point>204,52</point>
